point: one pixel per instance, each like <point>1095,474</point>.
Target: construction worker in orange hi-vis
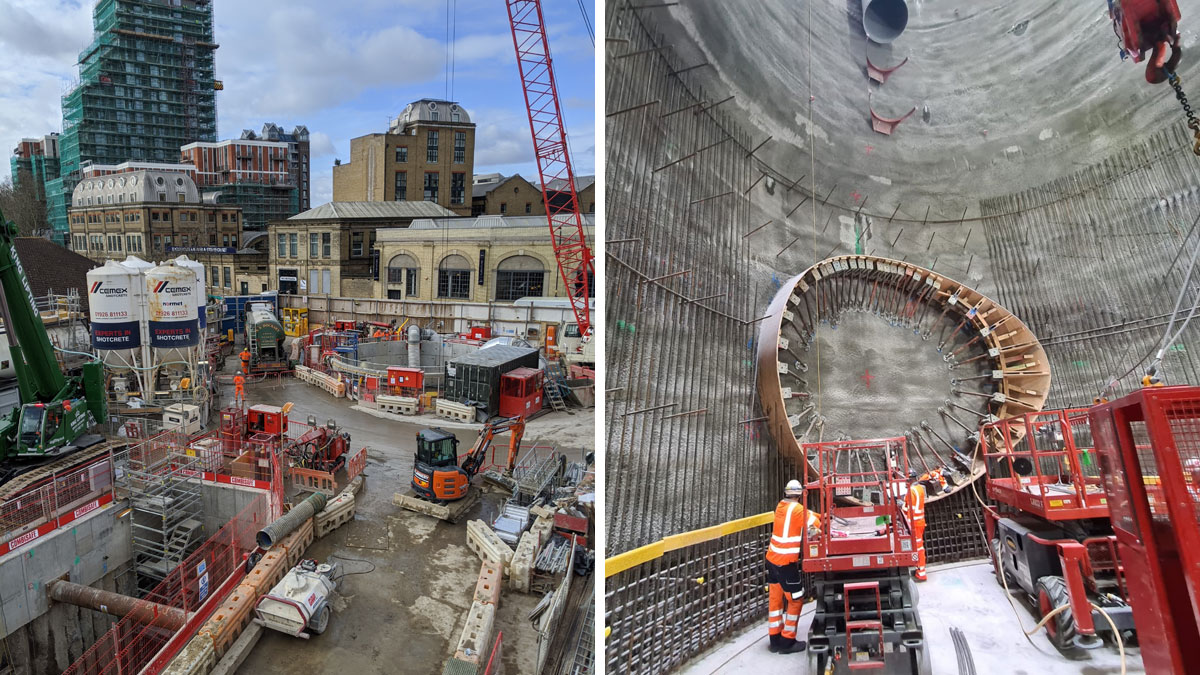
<point>239,388</point>
<point>245,360</point>
<point>785,585</point>
<point>914,510</point>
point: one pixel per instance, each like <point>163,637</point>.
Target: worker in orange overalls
<point>785,585</point>
<point>914,510</point>
<point>239,388</point>
<point>245,360</point>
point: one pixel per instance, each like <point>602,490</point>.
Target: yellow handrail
<point>644,554</point>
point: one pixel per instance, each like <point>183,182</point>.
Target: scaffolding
<point>146,88</point>
<point>167,506</point>
<point>261,204</point>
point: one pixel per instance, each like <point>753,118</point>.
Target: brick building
<point>299,156</point>
<point>428,154</point>
<point>494,194</point>
<point>484,259</point>
<point>253,174</point>
<point>146,212</point>
<point>329,250</point>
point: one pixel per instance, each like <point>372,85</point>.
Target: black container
<point>474,379</point>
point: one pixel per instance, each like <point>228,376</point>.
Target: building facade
<point>146,213</point>
<point>253,174</point>
<point>146,88</point>
<point>494,194</point>
<point>299,156</point>
<point>233,270</point>
<point>428,154</point>
<point>484,259</point>
<point>329,250</point>
<point>33,160</point>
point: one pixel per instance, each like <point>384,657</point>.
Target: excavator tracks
<point>29,475</point>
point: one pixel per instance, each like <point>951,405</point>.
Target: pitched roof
<point>51,267</point>
<point>374,210</point>
<point>581,183</point>
<point>482,189</point>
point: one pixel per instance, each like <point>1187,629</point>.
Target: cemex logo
<point>97,289</point>
<point>162,286</point>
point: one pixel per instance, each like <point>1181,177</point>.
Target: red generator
<point>521,392</point>
<point>405,381</point>
<point>1149,459</point>
<point>266,419</point>
<point>480,333</point>
<point>342,324</point>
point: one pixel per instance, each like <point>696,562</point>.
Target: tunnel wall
<point>222,503</point>
<point>680,452</point>
<point>1093,262</point>
<point>94,550</point>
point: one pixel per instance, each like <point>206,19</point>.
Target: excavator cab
<point>436,474</point>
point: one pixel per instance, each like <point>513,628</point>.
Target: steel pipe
<point>142,611</point>
<point>884,20</point>
<point>289,521</point>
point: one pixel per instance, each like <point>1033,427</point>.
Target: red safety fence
<point>198,584</point>
<point>54,502</point>
<point>495,666</point>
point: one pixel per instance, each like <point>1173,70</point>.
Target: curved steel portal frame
<point>994,366</point>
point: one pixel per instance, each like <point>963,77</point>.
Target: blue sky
<point>341,69</point>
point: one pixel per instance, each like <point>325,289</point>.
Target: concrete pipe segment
<point>291,520</point>
<point>865,347</point>
<point>142,611</point>
<point>884,20</point>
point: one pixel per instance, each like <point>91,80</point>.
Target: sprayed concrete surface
<point>965,596</point>
<point>406,615</point>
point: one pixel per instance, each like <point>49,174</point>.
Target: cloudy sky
<point>340,68</point>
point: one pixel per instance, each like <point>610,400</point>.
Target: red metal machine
<point>1050,533</point>
<point>865,615</point>
<point>1148,28</point>
<point>521,392</point>
<point>404,381</point>
<point>553,159</point>
<point>1149,457</point>
<point>322,448</point>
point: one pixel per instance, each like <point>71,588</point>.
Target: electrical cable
<point>355,560</point>
<point>587,22</point>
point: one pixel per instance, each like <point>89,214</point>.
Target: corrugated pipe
<point>291,520</point>
<point>884,20</point>
<point>144,612</point>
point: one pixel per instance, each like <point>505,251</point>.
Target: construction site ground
<point>407,614</point>
<point>963,595</point>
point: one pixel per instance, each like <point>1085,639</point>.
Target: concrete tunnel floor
<point>406,615</point>
<point>963,595</point>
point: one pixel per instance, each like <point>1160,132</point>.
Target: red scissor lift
<point>1149,458</point>
<point>1050,534</point>
<point>865,614</point>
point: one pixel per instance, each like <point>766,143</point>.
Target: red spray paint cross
<point>867,377</point>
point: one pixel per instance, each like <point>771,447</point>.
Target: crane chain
<point>1192,122</point>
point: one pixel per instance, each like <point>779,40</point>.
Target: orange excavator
<point>441,486</point>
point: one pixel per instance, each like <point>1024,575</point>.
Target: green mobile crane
<point>56,412</point>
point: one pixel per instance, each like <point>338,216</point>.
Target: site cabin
<point>521,392</point>
<point>405,381</point>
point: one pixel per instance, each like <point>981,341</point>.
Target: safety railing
<point>1050,469</point>
<point>495,664</point>
<point>667,601</point>
<point>196,586</point>
<point>55,502</point>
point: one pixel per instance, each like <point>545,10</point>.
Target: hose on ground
<point>291,520</point>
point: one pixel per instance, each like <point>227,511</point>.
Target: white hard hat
<point>793,488</point>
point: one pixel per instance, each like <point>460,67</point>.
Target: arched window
<point>454,278</point>
<point>403,274</point>
<point>519,276</point>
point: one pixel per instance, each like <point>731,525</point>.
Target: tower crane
<point>553,158</point>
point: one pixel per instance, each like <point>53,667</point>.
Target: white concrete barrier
<point>485,544</point>
<point>454,411</point>
<point>398,405</point>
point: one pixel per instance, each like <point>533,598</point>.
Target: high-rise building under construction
<point>145,89</point>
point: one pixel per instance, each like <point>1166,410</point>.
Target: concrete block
<point>485,544</point>
<point>454,411</point>
<point>544,528</point>
<point>399,405</point>
<point>336,513</point>
<point>521,570</point>
<point>487,589</point>
<point>197,657</point>
<point>541,511</point>
<point>477,634</point>
<point>238,651</point>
